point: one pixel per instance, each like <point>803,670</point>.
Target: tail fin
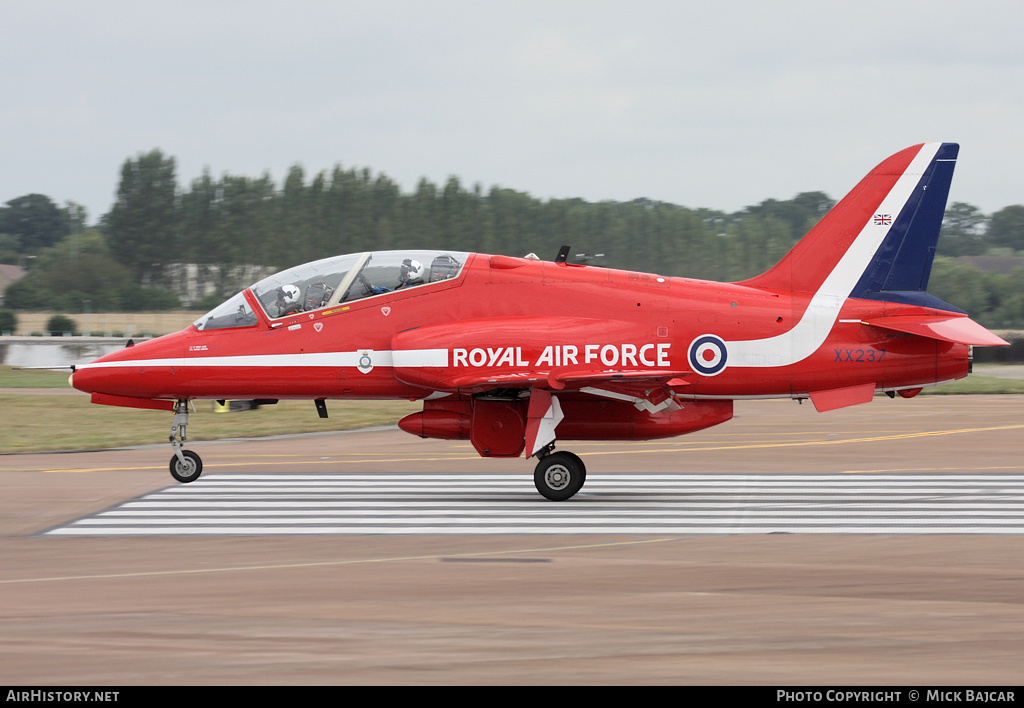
<point>878,243</point>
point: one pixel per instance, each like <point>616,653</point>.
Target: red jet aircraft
<point>511,353</point>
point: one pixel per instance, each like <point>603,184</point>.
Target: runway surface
<point>303,504</point>
<point>880,545</point>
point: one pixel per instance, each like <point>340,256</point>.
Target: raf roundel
<point>707,355</point>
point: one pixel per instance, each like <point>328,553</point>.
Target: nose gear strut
<point>186,466</point>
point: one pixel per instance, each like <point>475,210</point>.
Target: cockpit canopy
<point>328,282</point>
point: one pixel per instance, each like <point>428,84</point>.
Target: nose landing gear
<point>185,464</point>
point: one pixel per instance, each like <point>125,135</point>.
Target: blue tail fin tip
<point>902,264</point>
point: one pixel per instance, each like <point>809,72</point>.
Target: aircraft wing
<point>558,381</point>
<point>653,391</point>
<point>944,327</point>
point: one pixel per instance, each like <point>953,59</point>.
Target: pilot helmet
<point>411,272</point>
<point>288,294</point>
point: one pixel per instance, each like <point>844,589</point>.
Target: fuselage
<point>503,317</point>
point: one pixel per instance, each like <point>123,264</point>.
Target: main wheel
<point>190,470</point>
<point>559,476</point>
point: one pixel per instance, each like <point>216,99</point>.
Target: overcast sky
<point>717,105</point>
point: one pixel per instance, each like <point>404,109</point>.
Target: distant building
<point>8,275</point>
<point>191,282</point>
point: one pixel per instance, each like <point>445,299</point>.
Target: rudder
<point>901,267</point>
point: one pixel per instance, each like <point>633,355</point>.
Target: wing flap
<point>151,404</point>
<point>835,398</point>
<point>557,381</point>
<point>576,379</point>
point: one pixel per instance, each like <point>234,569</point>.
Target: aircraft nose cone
<point>84,379</point>
<point>146,370</point>
<point>91,380</point>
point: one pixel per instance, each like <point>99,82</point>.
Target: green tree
<point>963,231</point>
<point>1006,228</point>
<point>76,274</point>
<point>978,293</point>
<point>1010,309</point>
<point>422,221</point>
<point>143,228</point>
<point>35,221</point>
<point>461,225</point>
<point>8,321</point>
<point>59,324</point>
<point>815,204</point>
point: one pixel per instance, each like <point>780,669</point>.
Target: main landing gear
<point>559,475</point>
<point>185,464</point>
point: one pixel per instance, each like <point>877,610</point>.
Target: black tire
<point>559,476</point>
<point>190,471</point>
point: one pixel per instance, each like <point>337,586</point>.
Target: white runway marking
<point>440,504</point>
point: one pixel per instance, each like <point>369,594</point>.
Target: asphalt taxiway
<point>558,604</point>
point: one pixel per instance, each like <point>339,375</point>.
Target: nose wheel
<point>185,464</point>
<point>188,468</point>
<point>559,476</point>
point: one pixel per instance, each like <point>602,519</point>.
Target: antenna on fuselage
<point>563,253</point>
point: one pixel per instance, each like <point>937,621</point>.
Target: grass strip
<point>38,422</point>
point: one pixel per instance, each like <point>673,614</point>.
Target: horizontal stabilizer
<point>959,329</point>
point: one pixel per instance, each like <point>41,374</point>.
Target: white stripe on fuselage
<point>385,358</point>
<point>821,314</point>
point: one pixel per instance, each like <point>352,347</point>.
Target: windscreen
<point>233,313</point>
<point>320,284</point>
